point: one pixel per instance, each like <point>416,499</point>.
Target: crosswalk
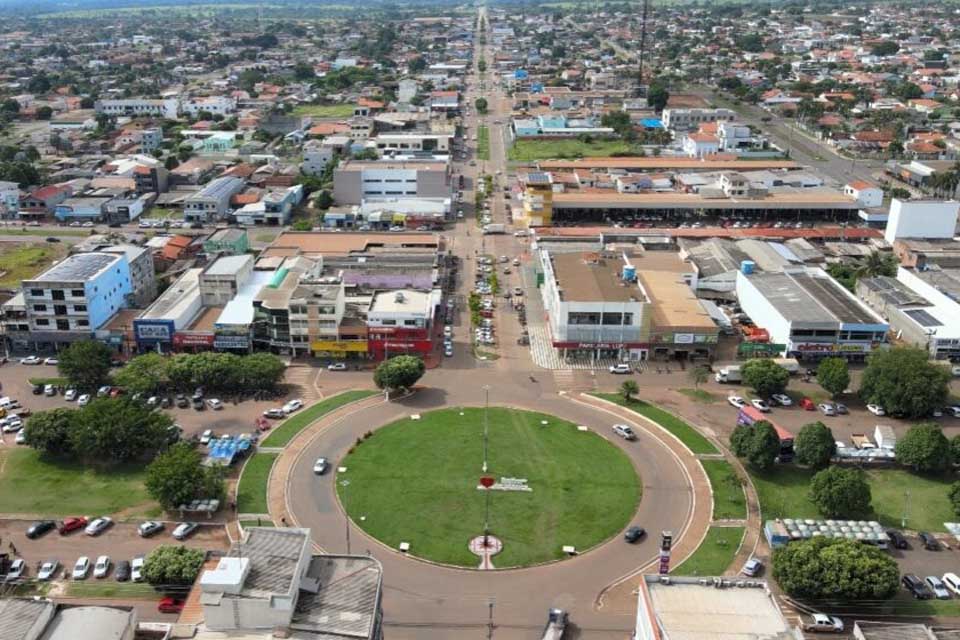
<point>303,376</point>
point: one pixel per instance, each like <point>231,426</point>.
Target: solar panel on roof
<point>923,318</point>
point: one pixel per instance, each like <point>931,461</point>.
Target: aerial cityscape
<point>501,320</point>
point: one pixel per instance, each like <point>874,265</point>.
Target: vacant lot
<point>324,110</point>
<point>20,261</point>
<point>530,150</point>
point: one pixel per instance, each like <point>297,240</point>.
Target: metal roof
<point>79,267</point>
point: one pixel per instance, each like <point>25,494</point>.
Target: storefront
<point>383,349</point>
<point>153,335</point>
<point>193,341</point>
<point>853,351</point>
<point>341,349</point>
<point>603,350</point>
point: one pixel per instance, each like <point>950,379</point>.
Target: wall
<point>763,314</point>
<point>921,219</point>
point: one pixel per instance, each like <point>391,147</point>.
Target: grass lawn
<point>729,500</point>
<point>483,143</point>
<point>530,150</point>
<point>687,434</point>
<point>252,492</point>
<point>290,427</point>
<point>783,494</point>
<point>714,554</point>
<point>700,395</point>
<point>159,213</point>
<point>108,588</point>
<point>416,482</point>
<point>23,261</point>
<point>324,110</point>
<point>30,484</point>
<point>37,231</point>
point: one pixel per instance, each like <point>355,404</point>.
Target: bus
<point>748,416</point>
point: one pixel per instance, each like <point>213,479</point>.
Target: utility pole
<point>345,484</point>
<point>490,619</point>
<point>486,424</point>
<point>906,507</point>
<point>643,44</point>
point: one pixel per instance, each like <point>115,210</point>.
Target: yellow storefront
<point>339,348</point>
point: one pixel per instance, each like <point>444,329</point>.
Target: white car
<point>737,401</point>
<point>760,405</point>
<point>51,361</point>
<point>21,437</point>
<point>11,424</point>
<point>83,400</point>
<point>823,623</point>
<point>952,582</point>
<point>214,404</point>
<point>782,399</point>
<point>876,410</point>
<point>337,366</point>
<point>206,436</point>
<point>70,395</point>
<point>81,568</point>
<point>102,568</point>
<point>621,368</point>
<point>320,466</point>
<point>939,589</point>
<point>828,409</point>
<point>624,431</point>
<point>98,526</point>
<point>30,360</point>
<point>136,569</point>
<point>47,570</point>
<point>292,406</point>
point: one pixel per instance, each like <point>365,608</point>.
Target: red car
<point>72,524</point>
<point>808,404</point>
<point>170,605</point>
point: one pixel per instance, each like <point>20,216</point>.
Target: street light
<point>486,425</point>
<point>346,520</point>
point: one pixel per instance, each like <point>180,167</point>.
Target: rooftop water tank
<point>747,267</point>
<point>629,272</point>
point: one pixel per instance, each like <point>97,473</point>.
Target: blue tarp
<point>652,123</point>
<point>225,450</point>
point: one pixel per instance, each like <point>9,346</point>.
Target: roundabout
<point>416,481</point>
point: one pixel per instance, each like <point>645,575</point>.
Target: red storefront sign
<point>601,345</point>
<point>193,340</point>
<point>398,333</point>
<point>380,349</point>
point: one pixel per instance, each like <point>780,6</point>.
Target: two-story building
<point>213,201</point>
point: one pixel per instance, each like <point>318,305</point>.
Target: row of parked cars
<point>932,586</point>
<point>98,525</point>
<point>49,569</point>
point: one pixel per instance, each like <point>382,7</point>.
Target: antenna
<point>643,44</point>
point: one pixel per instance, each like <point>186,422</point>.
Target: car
<point>83,400</point>
<point>624,432</point>
<point>917,588</point>
<point>18,569</point>
<point>760,405</point>
<point>840,408</point>
<point>36,389</point>
<point>101,569</point>
<point>517,291</point>
<point>952,582</point>
<point>198,393</point>
<point>149,528</point>
<point>737,401</point>
<point>198,404</point>
<point>822,623</point>
<point>337,366</point>
<point>136,569</point>
<point>634,534</point>
<point>30,360</point>
<point>166,402</point>
<point>74,523</point>
<point>104,391</point>
<point>170,605</point>
<point>21,438</point>
<point>206,436</point>
<point>939,589</point>
<point>929,542</point>
<point>70,395</point>
<point>11,424</point>
<point>897,539</point>
<point>292,406</point>
<point>752,568</point>
<point>782,399</point>
<point>98,526</point>
<point>274,413</point>
<point>448,351</point>
<point>47,570</point>
<point>215,404</point>
<point>51,361</point>
<point>184,530</point>
<point>81,568</point>
<point>876,410</point>
<point>49,390</point>
<point>620,368</point>
<point>320,466</point>
<point>827,409</point>
<point>39,528</point>
<point>181,401</point>
<point>153,401</point>
<point>122,572</point>
<point>52,239</point>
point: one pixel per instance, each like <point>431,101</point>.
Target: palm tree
<point>628,389</point>
<point>876,264</point>
<point>698,375</point>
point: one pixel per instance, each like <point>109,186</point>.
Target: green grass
<point>729,500</point>
<point>483,143</point>
<point>416,481</point>
<point>530,150</point>
<point>30,484</point>
<point>22,261</point>
<point>700,395</point>
<point>783,493</point>
<point>252,491</point>
<point>324,110</point>
<point>45,381</point>
<point>714,554</point>
<point>289,428</point>
<point>38,231</point>
<point>686,434</point>
<point>93,588</point>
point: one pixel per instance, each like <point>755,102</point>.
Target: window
<point>42,322</point>
<point>36,292</point>
<point>60,309</point>
<point>40,307</point>
<point>409,323</point>
<point>83,323</point>
<point>80,308</point>
<point>76,293</point>
<point>63,325</point>
<point>389,323</point>
<point>58,294</point>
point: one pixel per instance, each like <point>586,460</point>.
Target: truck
<point>749,416</point>
<point>556,625</point>
<point>728,373</point>
<point>792,365</point>
<point>494,228</point>
<point>861,441</point>
<point>885,437</point>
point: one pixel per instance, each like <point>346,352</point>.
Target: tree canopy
<point>841,492</point>
<point>815,445</point>
<point>835,569</point>
<point>758,444</point>
<point>169,565</point>
<point>765,376</point>
<point>227,372</point>
<point>833,375</point>
<point>399,372</point>
<point>49,431</point>
<point>924,448</point>
<point>903,380</point>
<point>178,476</point>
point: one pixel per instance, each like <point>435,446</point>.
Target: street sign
<point>487,481</point>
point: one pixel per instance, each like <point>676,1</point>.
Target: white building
<point>867,195</point>
<point>921,219</point>
<point>166,108</point>
<point>406,90</point>
<point>413,141</point>
<point>698,145</point>
<point>691,119</point>
<point>216,105</point>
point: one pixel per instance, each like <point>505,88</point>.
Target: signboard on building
<point>760,350</point>
<point>181,339</point>
<point>231,342</point>
<point>384,333</point>
<point>830,347</point>
<point>601,345</point>
<point>347,346</point>
<point>153,330</point>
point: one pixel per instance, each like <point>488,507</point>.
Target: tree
<point>399,372</point>
<point>619,121</point>
<point>841,492</point>
<point>119,430</point>
<point>168,565</point>
<point>877,264</point>
<point>751,42</point>
<point>902,380</point>
<point>885,48</point>
<point>954,495</point>
<point>815,445</point>
<point>10,106</point>
<point>303,71</point>
<point>145,374</point>
<point>833,375</point>
<point>629,389</point>
<point>698,375</point>
<point>44,113</point>
<point>765,376</point>
<point>955,449</point>
<point>416,65</point>
<point>481,105</point>
<point>925,448</point>
<point>323,200</point>
<point>261,371</point>
<point>178,476</point>
<point>49,431</point>
<point>835,569</point>
<point>758,443</point>
<point>657,95</point>
<point>481,65</point>
<point>85,364</point>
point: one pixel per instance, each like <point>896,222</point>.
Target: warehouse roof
<point>810,295</point>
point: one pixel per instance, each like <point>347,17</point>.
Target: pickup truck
<point>860,441</point>
<point>821,622</point>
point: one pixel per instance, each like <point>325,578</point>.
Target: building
<point>810,314</point>
<point>537,200</point>
<point>213,201</point>
<point>150,179</point>
<point>214,105</point>
<point>691,119</point>
<point>143,278</point>
<point>698,145</point>
<point>866,194</point>
<point>270,581</point>
<point>901,631</point>
<point>406,142</point>
<point>273,209</point>
<point>400,322</point>
<point>356,181</point>
<point>173,311</point>
<point>230,241</point>
<point>41,619</point>
<point>921,219</point>
<point>167,108</point>
<point>80,209</point>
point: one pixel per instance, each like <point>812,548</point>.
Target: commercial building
<point>80,209</point>
<point>133,107</point>
<point>230,241</point>
<point>690,119</point>
<point>401,322</point>
<point>810,314</point>
<point>354,181</point>
<point>173,311</point>
<point>212,202</point>
<point>41,619</point>
<point>406,142</point>
<point>927,219</point>
<point>143,278</point>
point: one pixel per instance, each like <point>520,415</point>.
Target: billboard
<point>193,339</point>
<point>346,346</point>
<point>153,331</point>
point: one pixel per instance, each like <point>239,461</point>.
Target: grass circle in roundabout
<point>416,481</point>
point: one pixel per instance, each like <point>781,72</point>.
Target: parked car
<point>940,591</point>
<point>807,404</point>
<point>337,366</point>
<point>51,361</point>
<point>149,528</point>
<point>876,410</point>
<point>760,405</point>
<point>74,523</point>
<point>840,408</point>
<point>822,623</point>
<point>36,389</point>
<point>737,401</point>
<point>897,539</point>
<point>122,572</point>
<point>104,391</point>
<point>69,395</point>
<point>624,432</point>
<point>98,526</point>
<point>752,567</point>
<point>292,406</point>
<point>39,528</point>
<point>274,413</point>
<point>621,368</point>
<point>81,568</point>
<point>170,605</point>
<point>136,569</point>
<point>182,401</point>
<point>184,530</point>
<point>215,404</point>
<point>929,542</point>
<point>827,409</point>
<point>206,436</point>
<point>18,569</point>
<point>83,400</point>
<point>916,587</point>
<point>952,582</point>
<point>47,570</point>
<point>197,404</point>
<point>782,399</point>
<point>102,567</point>
<point>634,534</point>
<point>49,390</point>
<point>320,466</point>
<point>30,360</point>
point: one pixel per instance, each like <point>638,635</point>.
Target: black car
<point>166,403</point>
<point>897,539</point>
<point>916,587</point>
<point>198,404</point>
<point>53,239</point>
<point>182,401</point>
<point>928,541</point>
<point>634,534</point>
<point>37,389</point>
<point>41,527</point>
<point>122,572</point>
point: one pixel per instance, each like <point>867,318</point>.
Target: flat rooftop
<point>674,303</point>
<point>179,295</point>
<point>802,297</point>
<point>274,555</point>
<point>206,319</point>
<point>239,311</point>
<point>323,243</point>
<point>404,300</point>
<point>858,233</point>
<point>814,198</point>
<point>386,166</point>
<point>587,277</point>
<point>229,265</point>
<point>79,267</point>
